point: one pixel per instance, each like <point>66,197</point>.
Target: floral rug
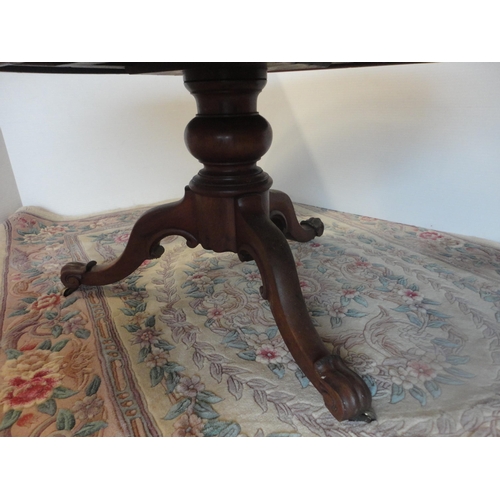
<point>186,346</point>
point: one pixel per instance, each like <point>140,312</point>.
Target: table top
<point>164,68</point>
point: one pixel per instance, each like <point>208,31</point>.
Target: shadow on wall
<point>289,161</point>
<point>345,133</point>
<point>10,200</point>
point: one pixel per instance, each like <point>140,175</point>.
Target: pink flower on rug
<point>26,420</point>
<point>215,313</point>
<point>146,337</point>
<point>30,379</point>
<point>430,235</point>
<point>46,302</point>
<point>413,300</point>
<point>190,387</point>
<point>269,353</point>
<point>24,223</point>
<point>201,278</point>
<point>410,296</point>
<point>22,393</point>
<point>421,370</point>
<point>304,285</point>
<point>188,426</point>
<point>122,238</point>
<point>253,276</point>
<point>362,263</point>
<point>350,293</point>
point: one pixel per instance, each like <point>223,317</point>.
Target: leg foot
<point>316,224</point>
<point>73,274</point>
<point>283,215</point>
<point>149,230</point>
<point>341,387</point>
<point>344,392</point>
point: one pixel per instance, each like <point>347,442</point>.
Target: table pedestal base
<point>229,206</point>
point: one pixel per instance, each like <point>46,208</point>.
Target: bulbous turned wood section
<point>229,206</point>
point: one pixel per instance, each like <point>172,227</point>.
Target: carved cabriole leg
<point>344,392</point>
<point>172,218</point>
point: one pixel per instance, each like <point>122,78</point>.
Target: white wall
<point>10,200</point>
<point>86,143</point>
<point>416,144</point>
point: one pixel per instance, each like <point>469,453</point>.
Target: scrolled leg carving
<point>344,392</point>
<point>172,218</point>
<point>283,215</point>
<point>72,275</point>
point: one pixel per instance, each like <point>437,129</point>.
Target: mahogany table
<point>229,206</point>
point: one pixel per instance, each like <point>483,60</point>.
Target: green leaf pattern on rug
<point>379,305</point>
<point>32,392</point>
<point>192,408</point>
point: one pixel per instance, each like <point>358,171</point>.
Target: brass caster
<point>365,416</point>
